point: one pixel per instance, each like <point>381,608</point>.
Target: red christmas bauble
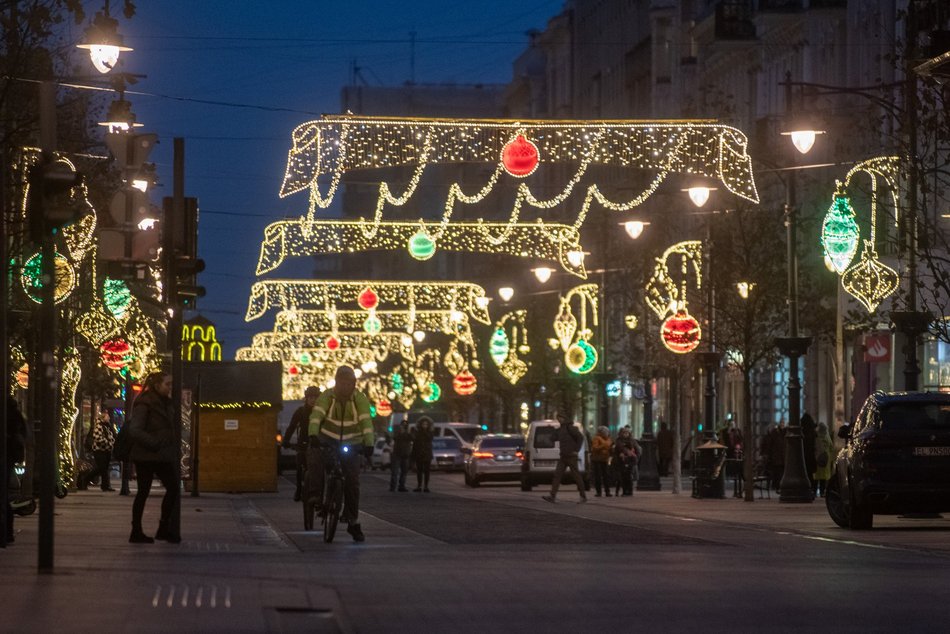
<point>368,299</point>
<point>383,407</point>
<point>520,157</point>
<point>332,343</point>
<point>293,370</point>
<point>680,332</point>
<point>464,383</point>
<point>116,353</point>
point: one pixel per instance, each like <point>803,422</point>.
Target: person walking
<point>600,458</point>
<point>422,453</point>
<point>103,439</point>
<point>16,451</point>
<point>341,424</point>
<point>809,437</point>
<point>627,457</point>
<point>299,423</point>
<point>773,449</point>
<point>154,453</point>
<point>824,459</point>
<point>664,446</point>
<point>401,453</point>
<point>571,442</point>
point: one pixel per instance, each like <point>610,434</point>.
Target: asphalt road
<point>491,559</point>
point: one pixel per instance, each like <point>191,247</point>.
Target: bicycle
<point>332,494</point>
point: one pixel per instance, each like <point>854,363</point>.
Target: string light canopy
<point>539,240</point>
<point>870,280</point>
<point>311,320</point>
<point>285,294</point>
<point>337,144</point>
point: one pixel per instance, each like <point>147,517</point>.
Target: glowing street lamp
<point>120,117</point>
<point>506,293</point>
<point>543,273</point>
<point>699,194</point>
<point>634,228</point>
<point>744,288</point>
<point>803,133</point>
<point>104,42</point>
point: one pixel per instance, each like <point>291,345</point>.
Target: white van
<point>464,432</point>
<point>541,453</point>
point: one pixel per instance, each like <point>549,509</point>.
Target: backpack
<point>122,448</point>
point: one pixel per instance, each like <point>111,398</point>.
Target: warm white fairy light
<point>299,320</point>
<point>663,293</point>
<point>514,333</point>
<point>538,239</point>
<point>285,294</point>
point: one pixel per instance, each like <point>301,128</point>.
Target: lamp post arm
<point>860,91</point>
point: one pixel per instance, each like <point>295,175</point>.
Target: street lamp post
<point>795,485</point>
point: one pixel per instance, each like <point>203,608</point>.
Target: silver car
<point>447,453</point>
<point>495,457</point>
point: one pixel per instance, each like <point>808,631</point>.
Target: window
<point>916,417</point>
<point>499,443</point>
<point>544,437</point>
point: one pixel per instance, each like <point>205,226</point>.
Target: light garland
<point>839,232</point>
<point>463,296</point>
<point>300,320</point>
<point>537,240</point>
<point>337,144</point>
<point>870,280</point>
<point>199,342</point>
<point>663,295</point>
<point>504,348</point>
<point>237,405</point>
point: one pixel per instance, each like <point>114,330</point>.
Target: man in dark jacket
<point>298,424</point>
<point>155,453</point>
<point>571,441</point>
<point>664,446</point>
<point>402,451</point>
<point>16,444</point>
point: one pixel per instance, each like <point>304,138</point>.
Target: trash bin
<point>709,472</point>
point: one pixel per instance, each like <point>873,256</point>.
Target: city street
<point>488,560</point>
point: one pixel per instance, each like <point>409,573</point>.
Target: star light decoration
<point>869,280</point>
<point>579,356</point>
<point>509,339</point>
<point>679,331</point>
<point>537,240</point>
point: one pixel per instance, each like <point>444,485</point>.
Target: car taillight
<point>519,455</point>
<point>482,455</point>
<point>279,438</point>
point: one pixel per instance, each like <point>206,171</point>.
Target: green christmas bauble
<point>116,297</point>
<point>498,346</point>
<point>421,246</point>
<point>839,233</point>
<point>396,381</point>
<point>372,325</point>
<point>581,357</point>
<point>431,392</point>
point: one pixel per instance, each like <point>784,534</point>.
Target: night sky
<point>279,63</point>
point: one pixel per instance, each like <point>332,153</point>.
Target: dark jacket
<point>664,444</point>
<point>300,423</point>
<point>422,445</point>
<point>809,436</point>
<point>16,434</point>
<point>570,439</point>
<point>151,429</point>
<point>402,443</point>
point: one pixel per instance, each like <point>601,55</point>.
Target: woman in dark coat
<point>154,453</point>
<point>422,453</point>
<point>809,437</point>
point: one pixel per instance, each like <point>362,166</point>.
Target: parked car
<point>896,459</point>
<point>541,453</point>
<point>495,457</point>
<point>465,433</point>
<point>382,454</point>
<point>447,453</point>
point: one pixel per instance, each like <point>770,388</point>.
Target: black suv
<point>897,459</point>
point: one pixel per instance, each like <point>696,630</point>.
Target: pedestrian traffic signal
<point>50,204</point>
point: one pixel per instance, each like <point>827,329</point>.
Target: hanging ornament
<point>368,299</point>
<point>116,297</point>
<point>421,246</point>
<point>839,232</point>
<point>581,357</point>
<point>565,325</point>
<point>499,346</point>
<point>293,370</point>
<point>870,280</point>
<point>332,343</point>
<point>430,392</point>
<point>520,157</point>
<point>116,353</point>
<point>453,360</point>
<point>680,332</point>
<point>464,383</point>
<point>304,358</point>
<point>383,407</point>
<point>372,325</point>
<point>32,278</point>
<point>23,376</point>
<point>396,381</point>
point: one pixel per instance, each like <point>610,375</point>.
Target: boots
<point>138,536</point>
<point>166,535</point>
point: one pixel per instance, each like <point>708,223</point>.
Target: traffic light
<point>186,280</point>
<point>49,202</point>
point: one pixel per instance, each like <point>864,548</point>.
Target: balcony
<point>734,20</point>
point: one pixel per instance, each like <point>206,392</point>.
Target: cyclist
<point>298,424</point>
<point>340,419</point>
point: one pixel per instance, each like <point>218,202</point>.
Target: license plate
<point>932,451</point>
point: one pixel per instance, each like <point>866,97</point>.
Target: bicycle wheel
<point>334,504</point>
<point>308,506</point>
